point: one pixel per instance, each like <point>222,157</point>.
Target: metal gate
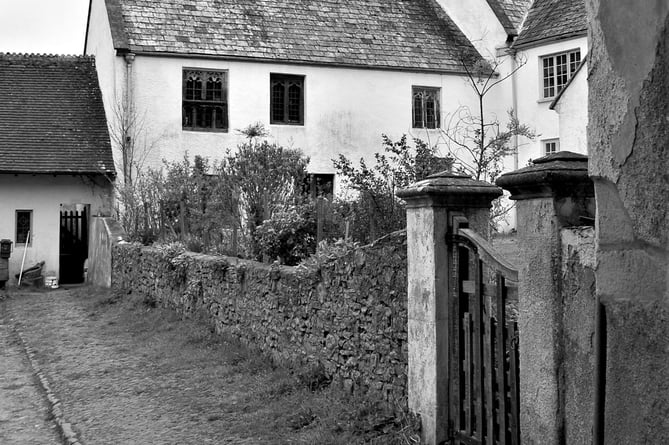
<point>73,245</point>
<point>483,349</point>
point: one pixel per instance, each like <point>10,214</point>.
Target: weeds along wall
<point>344,316</point>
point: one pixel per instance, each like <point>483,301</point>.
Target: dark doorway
<point>73,245</point>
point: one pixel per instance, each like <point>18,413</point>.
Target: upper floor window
<point>24,219</point>
<point>205,100</point>
<point>551,146</point>
<point>286,99</point>
<point>425,107</point>
<point>557,69</point>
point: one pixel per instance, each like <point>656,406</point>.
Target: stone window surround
<point>290,106</point>
<point>421,114</point>
<point>205,103</point>
<point>23,227</point>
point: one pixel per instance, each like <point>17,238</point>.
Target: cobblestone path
<point>24,417</point>
<point>120,381</point>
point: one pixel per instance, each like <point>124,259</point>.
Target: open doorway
<point>73,242</point>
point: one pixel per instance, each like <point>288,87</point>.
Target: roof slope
<point>51,116</point>
<point>393,34</point>
<point>510,13</point>
<point>553,20</point>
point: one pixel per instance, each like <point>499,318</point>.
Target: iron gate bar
<point>484,384</point>
<point>514,383</point>
<point>477,341</point>
<point>488,364</point>
<point>501,386</point>
<point>455,400</point>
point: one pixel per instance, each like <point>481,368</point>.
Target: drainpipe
<point>514,104</point>
<point>129,59</point>
<point>128,107</point>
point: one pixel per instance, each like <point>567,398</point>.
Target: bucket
<point>51,281</point>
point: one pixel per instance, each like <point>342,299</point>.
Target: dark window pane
<point>278,92</point>
<point>429,113</point>
<point>221,118</point>
<point>294,100</point>
<point>417,111</point>
<point>23,218</point>
<point>214,89</point>
<point>204,116</point>
<point>188,115</point>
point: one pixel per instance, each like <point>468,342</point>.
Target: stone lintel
<point>555,175</point>
<point>448,189</point>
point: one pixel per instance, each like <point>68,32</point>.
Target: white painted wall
<point>532,109</point>
<point>572,109</point>
<point>44,195</point>
<point>346,110</point>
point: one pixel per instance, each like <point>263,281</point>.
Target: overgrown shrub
<point>289,235</point>
<point>215,208</point>
<point>374,210</point>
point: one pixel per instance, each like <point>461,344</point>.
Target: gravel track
<point>126,376</point>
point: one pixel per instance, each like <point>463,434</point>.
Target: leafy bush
<point>215,208</point>
<point>288,235</point>
<point>375,211</point>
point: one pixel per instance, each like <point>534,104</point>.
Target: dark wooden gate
<point>484,344</point>
<point>73,245</point>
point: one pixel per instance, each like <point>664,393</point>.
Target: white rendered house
<point>329,79</point>
<point>552,43</point>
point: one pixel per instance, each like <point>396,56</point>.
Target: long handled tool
<point>23,261</point>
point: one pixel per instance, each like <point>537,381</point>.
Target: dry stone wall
<point>346,315</point>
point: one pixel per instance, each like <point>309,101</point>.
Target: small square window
<point>286,99</point>
<point>557,69</point>
<point>205,100</point>
<point>24,219</point>
<point>425,108</point>
<point>551,146</point>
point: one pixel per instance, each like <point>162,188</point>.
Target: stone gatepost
<point>553,193</point>
<point>432,206</point>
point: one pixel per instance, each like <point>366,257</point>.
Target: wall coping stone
<point>555,175</point>
<point>448,189</point>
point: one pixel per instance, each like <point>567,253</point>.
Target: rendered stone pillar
<point>628,141</point>
<point>553,193</point>
<point>431,204</point>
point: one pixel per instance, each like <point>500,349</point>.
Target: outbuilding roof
<point>553,20</point>
<point>389,34</point>
<point>52,118</point>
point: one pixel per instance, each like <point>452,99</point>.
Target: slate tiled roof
<point>510,13</point>
<point>553,20</point>
<point>394,34</point>
<point>51,116</point>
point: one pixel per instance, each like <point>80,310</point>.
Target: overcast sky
<point>43,26</point>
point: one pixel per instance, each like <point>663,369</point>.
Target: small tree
<point>127,132</point>
<point>479,142</point>
<point>375,208</point>
<point>129,137</point>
